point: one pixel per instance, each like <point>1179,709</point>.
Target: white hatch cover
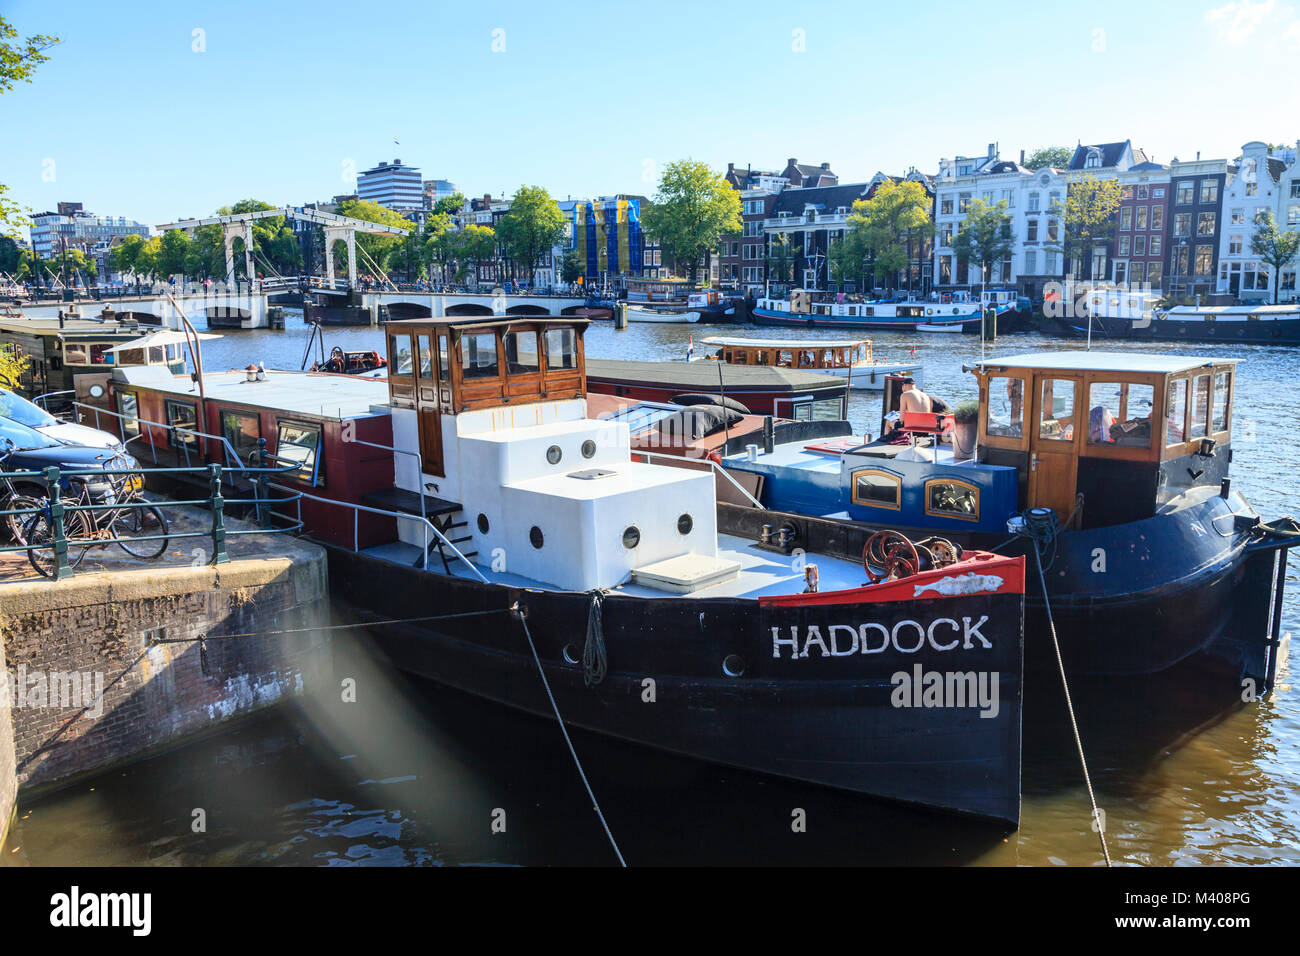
<point>685,573</point>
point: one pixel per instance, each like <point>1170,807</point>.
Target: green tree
<point>10,255</point>
<point>122,257</point>
<point>573,268</point>
<point>984,236</point>
<point>891,226</point>
<point>532,227</point>
<point>693,209</point>
<point>434,247</point>
<point>844,258</point>
<point>146,258</point>
<point>1088,219</point>
<point>780,259</point>
<point>173,252</point>
<point>19,59</point>
<point>380,248</point>
<point>470,246</point>
<point>1057,157</point>
<point>1275,247</point>
<point>449,205</point>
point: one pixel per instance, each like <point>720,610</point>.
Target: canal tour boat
<point>1117,465</point>
<point>831,311</point>
<point>555,574</point>
<point>849,359</point>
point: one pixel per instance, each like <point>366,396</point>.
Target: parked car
<point>31,439</point>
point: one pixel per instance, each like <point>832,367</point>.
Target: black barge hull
<point>784,686</point>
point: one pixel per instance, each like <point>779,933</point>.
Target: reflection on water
<point>415,774</point>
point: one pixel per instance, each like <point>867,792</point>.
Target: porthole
<point>535,536</point>
<point>631,537</point>
<point>589,449</point>
<point>482,524</point>
<point>554,454</point>
<point>571,654</point>
<point>684,524</point>
<point>733,665</point>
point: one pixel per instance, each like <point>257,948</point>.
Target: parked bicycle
<point>15,498</point>
<point>140,529</point>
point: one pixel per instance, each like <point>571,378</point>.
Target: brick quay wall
<point>103,668</point>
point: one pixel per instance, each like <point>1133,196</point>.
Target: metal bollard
<point>61,569</point>
<point>219,555</point>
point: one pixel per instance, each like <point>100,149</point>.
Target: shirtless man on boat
<point>915,400</point>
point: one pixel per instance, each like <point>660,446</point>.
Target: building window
<point>1234,245</point>
<point>1157,192</point>
<point>1121,272</point>
<point>877,489</point>
<point>1155,273</point>
<point>1209,191</point>
<point>1126,218</point>
<point>1052,231</point>
<point>1185,193</point>
<point>1136,273</point>
<point>1156,243</point>
<point>1142,191</point>
<point>1139,245</point>
<point>1031,262</point>
<point>1239,217</point>
<point>945,206</point>
<point>950,498</point>
<point>1252,189</point>
<point>301,443</point>
<point>1140,217</point>
<point>1157,217</point>
<point>1033,202</point>
<point>1205,224</point>
<point>1123,246</point>
<point>1183,224</point>
<point>1031,230</point>
<point>963,203</point>
<point>1205,260</point>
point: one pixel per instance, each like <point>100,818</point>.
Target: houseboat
<point>673,300</point>
<point>337,428</point>
<point>75,354</point>
<point>849,359</point>
<point>763,389</point>
<point>1244,324</point>
<point>571,578</point>
<point>836,311</point>
<point>1116,464</point>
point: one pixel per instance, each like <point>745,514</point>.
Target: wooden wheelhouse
<point>444,367</point>
<point>812,355</point>
<point>1103,438</point>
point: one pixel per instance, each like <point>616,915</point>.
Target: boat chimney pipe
<point>1225,486</point>
<point>769,437</point>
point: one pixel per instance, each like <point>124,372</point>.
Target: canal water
<point>415,774</point>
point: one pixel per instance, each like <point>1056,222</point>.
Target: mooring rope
<point>522,615</point>
<point>1069,705</point>
<point>327,627</point>
<point>594,661</point>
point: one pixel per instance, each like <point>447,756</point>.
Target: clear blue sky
<point>585,96</point>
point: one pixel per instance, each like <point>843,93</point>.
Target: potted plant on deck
<point>965,418</point>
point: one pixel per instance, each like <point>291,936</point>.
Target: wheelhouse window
<point>129,408</point>
<point>1006,407</point>
<point>949,498</point>
<point>521,352</point>
<point>75,354</point>
<point>877,489</point>
<point>1056,418</point>
<point>1119,414</point>
<point>182,415</point>
<point>426,357</point>
<point>478,355</point>
<point>561,348</point>
<point>1222,388</point>
<point>1198,427</point>
<point>399,350</point>
<point>300,442</point>
<point>243,430</point>
<point>1176,411</point>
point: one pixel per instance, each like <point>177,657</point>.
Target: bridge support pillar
<point>231,231</point>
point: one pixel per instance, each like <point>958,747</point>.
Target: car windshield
<point>24,412</point>
<point>22,436</point>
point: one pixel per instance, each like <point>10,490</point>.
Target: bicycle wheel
<point>138,522</point>
<point>16,524</point>
<point>38,535</point>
